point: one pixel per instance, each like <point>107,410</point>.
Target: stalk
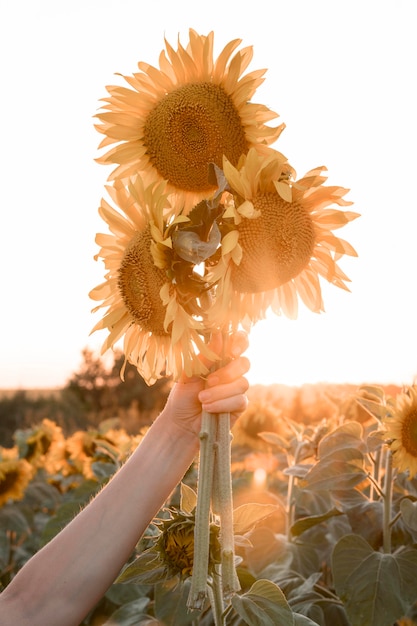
<point>224,501</point>
<point>387,500</point>
<point>214,489</point>
<point>198,589</point>
<point>376,474</point>
<point>290,508</point>
<point>216,599</point>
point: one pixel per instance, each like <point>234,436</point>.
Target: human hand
<point>222,391</point>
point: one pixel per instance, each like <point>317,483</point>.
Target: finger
<point>229,372</point>
<point>233,404</point>
<point>236,343</point>
<point>229,346</point>
<point>221,392</point>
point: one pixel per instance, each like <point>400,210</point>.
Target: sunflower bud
<point>176,545</point>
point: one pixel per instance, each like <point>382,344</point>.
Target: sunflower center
<point>409,432</point>
<point>188,129</point>
<point>277,245</point>
<point>8,480</point>
<point>179,550</point>
<point>140,282</point>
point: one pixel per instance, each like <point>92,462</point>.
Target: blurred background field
<point>95,393</point>
<point>309,477</point>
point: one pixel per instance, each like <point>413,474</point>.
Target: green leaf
<point>407,563</point>
<point>263,605</point>
<point>192,249</point>
<point>340,470</point>
<point>188,499</point>
<point>371,390</point>
<point>377,589</point>
<point>247,515</point>
<point>147,569</point>
<point>375,440</point>
<point>102,469</point>
<point>5,550</point>
<point>366,520</point>
<point>11,518</point>
<point>124,593</point>
<point>348,435</point>
<point>105,448</point>
<point>305,523</point>
<point>409,512</point>
<point>128,614</point>
<point>379,411</point>
<point>41,494</point>
<point>302,620</point>
<point>171,605</point>
<point>274,439</point>
<point>299,470</point>
<point>108,424</point>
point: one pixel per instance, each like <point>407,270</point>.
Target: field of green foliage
<point>325,522</point>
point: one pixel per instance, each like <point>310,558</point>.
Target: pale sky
<point>341,74</point>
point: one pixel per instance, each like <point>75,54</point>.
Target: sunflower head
<point>140,282</point>
<point>401,431</point>
<point>175,545</point>
<point>282,239</point>
<point>175,120</point>
<point>35,443</point>
<point>276,234</point>
<point>150,292</point>
<point>15,475</point>
<point>259,417</point>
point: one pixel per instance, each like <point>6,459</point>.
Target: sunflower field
<point>325,512</point>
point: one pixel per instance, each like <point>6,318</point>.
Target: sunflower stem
<point>376,474</point>
<point>387,500</point>
<point>290,508</point>
<point>198,590</point>
<point>216,599</point>
<point>224,500</point>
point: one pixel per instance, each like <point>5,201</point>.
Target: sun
<point>296,352</point>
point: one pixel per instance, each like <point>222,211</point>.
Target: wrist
<point>177,432</point>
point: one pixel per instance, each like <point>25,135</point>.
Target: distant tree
<point>93,393</point>
<point>97,392</point>
<point>89,385</point>
<point>20,410</point>
<point>134,388</point>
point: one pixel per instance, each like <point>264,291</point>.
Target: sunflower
<point>56,459</point>
<point>401,431</point>
<point>35,443</point>
<point>259,417</point>
<point>15,475</point>
<point>80,449</point>
<point>171,555</point>
<point>282,240</point>
<point>176,120</point>
<point>162,336</point>
<point>176,545</point>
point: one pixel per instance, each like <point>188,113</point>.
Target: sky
<point>341,75</point>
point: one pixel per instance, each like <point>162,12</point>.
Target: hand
<point>223,391</point>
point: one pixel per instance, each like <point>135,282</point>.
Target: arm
<point>64,580</point>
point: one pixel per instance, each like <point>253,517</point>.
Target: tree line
<point>92,394</point>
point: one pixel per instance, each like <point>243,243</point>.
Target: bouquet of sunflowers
<point>209,228</point>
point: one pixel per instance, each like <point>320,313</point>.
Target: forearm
<point>68,576</point>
